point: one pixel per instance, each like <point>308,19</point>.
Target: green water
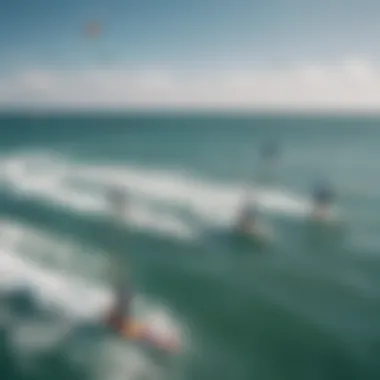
<point>304,307</point>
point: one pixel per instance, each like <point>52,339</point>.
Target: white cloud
<point>354,84</point>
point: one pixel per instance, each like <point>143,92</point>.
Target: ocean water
<point>304,306</point>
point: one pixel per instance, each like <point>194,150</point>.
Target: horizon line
<point>35,112</point>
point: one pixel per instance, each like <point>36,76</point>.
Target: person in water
<point>120,316</point>
<point>269,151</point>
<point>248,220</point>
<point>120,320</point>
<point>269,157</point>
<point>118,201</point>
<point>323,197</point>
<point>120,313</point>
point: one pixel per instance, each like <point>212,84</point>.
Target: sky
<point>219,54</point>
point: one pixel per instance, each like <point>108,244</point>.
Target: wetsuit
<point>323,195</point>
<point>117,199</point>
<point>270,150</point>
<point>247,219</point>
<point>121,311</point>
<point>124,298</point>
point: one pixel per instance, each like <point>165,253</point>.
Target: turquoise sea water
<point>304,307</point>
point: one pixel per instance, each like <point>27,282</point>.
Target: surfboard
<point>259,233</point>
<point>144,334</point>
<point>326,217</point>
